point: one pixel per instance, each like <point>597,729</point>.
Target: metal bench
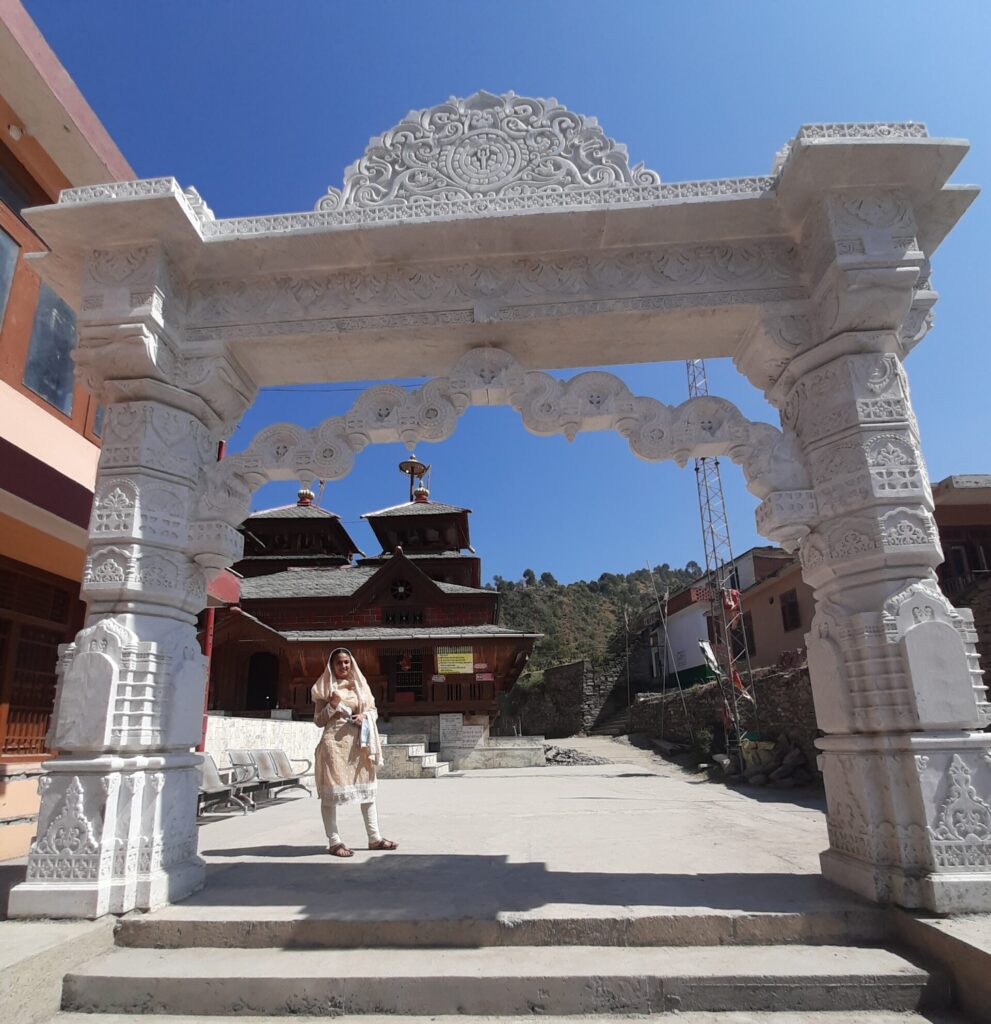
<point>273,769</point>
<point>214,791</point>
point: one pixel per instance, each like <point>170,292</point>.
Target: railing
<point>954,586</point>
<point>468,692</point>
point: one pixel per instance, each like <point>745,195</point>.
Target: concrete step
<point>410,761</point>
<point>512,981</point>
<point>618,725</point>
<point>240,927</point>
<point>802,1017</point>
<point>402,750</point>
<point>404,737</point>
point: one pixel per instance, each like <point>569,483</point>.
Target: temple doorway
<point>262,690</point>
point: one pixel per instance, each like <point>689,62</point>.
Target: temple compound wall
<point>481,243</point>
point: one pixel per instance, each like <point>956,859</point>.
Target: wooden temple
<point>414,616</point>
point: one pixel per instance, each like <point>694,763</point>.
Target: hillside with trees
<point>585,618</point>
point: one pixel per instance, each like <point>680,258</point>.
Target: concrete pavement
<point>627,840</point>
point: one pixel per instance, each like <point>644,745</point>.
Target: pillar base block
<point>885,884</point>
<point>87,902</point>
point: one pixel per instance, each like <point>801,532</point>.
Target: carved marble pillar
<point>117,826</point>
<point>896,681</point>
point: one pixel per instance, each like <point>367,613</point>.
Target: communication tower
<point>722,582</point>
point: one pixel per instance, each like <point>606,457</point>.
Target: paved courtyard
<point>624,839</point>
<point>635,853</point>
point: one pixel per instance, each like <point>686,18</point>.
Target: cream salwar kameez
<point>344,770</point>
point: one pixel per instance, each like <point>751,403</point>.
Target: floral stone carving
<point>385,413</point>
<point>490,145</point>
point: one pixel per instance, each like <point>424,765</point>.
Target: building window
<point>404,672</point>
<point>9,250</point>
<point>402,617</point>
<point>791,615</point>
<point>34,620</point>
<point>49,369</point>
<point>748,628</point>
<point>958,560</point>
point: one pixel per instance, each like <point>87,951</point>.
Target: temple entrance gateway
<point>481,242</point>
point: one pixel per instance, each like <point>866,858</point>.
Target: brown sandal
<point>340,850</point>
<point>383,844</point>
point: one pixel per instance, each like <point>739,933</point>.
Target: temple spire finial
<point>416,471</point>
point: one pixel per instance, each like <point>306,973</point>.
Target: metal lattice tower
<point>730,647</point>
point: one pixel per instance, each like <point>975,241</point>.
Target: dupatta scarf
<point>324,688</point>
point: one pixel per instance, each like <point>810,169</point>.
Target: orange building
<point>50,139</point>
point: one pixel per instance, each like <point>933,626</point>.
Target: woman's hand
<point>359,718</point>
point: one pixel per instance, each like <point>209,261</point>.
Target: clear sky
<point>261,104</point>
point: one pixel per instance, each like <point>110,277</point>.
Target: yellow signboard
<point>454,661</point>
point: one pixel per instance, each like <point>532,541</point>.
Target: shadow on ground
<point>811,797</point>
<point>438,886</point>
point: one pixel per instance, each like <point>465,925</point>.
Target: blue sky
<point>261,105</point>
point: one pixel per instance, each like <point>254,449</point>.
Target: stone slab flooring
<point>635,853</point>
<point>626,840</point>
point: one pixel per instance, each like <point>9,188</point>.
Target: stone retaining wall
<point>572,699</point>
<point>784,707</point>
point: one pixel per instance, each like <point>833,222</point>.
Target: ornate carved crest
<point>501,146</point>
<point>962,833</point>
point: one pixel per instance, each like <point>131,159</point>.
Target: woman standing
<point>349,751</point>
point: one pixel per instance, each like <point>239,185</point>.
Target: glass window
<point>8,261</point>
<point>12,193</point>
<point>98,420</point>
<point>791,615</point>
<point>49,369</point>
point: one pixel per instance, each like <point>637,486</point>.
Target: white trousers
<point>329,813</point>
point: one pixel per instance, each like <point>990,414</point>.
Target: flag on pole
<point>738,683</point>
<point>710,657</point>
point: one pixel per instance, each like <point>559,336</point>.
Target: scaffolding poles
<point>730,635</point>
<point>662,614</point>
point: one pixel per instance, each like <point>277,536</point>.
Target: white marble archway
<point>501,236</point>
<point>706,426</point>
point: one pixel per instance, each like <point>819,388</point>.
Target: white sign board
<point>450,730</point>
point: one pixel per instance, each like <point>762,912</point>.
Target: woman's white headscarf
<point>328,683</point>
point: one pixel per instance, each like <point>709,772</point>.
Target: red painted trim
<point>33,480</point>
<point>225,587</point>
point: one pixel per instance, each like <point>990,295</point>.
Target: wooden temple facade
<point>414,616</point>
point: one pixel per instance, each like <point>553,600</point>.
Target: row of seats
<point>253,775</point>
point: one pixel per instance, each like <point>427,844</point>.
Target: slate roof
<point>328,581</point>
<point>291,557</point>
<point>414,555</point>
<point>415,508</point>
<point>320,582</point>
<point>406,633</point>
<point>293,511</point>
